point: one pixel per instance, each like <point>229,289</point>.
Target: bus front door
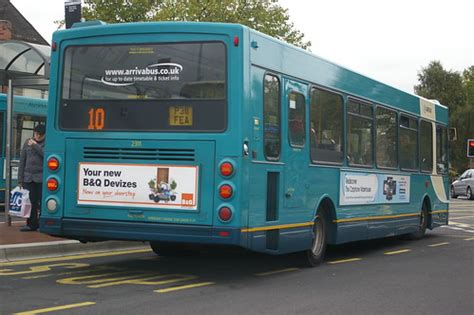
<point>295,155</point>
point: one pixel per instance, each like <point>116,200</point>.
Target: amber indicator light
<point>52,184</point>
<point>225,191</point>
<point>53,164</point>
<point>227,169</point>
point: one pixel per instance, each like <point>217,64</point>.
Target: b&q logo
<point>187,199</point>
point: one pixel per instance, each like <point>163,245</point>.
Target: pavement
<point>16,245</point>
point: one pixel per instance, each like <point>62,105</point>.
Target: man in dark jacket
<point>30,174</point>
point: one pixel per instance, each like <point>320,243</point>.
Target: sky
<point>387,40</point>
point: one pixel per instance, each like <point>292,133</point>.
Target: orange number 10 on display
<point>96,119</point>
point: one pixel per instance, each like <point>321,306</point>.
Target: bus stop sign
<point>72,12</point>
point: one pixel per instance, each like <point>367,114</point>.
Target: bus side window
<point>426,146</point>
<point>326,126</point>
<point>360,146</point>
<point>271,117</point>
<point>408,143</point>
<point>386,138</point>
<point>441,149</point>
<point>23,129</point>
<point>296,119</point>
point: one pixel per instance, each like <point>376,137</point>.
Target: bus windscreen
<point>147,87</point>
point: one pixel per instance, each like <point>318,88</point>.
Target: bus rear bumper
<point>87,230</point>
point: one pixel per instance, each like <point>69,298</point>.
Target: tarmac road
<point>434,275</point>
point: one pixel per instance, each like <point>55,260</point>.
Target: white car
<point>464,185</point>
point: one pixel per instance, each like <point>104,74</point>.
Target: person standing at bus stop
<point>30,174</point>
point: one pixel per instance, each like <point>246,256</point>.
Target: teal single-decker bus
<point>185,133</point>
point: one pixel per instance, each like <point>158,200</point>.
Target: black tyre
<point>151,196</point>
<point>423,224</point>
<point>173,198</point>
<point>171,250</point>
<point>453,193</point>
<point>315,255</point>
<point>156,199</point>
<point>469,194</point>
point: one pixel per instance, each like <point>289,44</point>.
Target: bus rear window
<point>154,87</point>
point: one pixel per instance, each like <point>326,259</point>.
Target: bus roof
<point>328,73</point>
<point>25,104</point>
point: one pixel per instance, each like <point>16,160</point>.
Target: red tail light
<point>52,184</point>
<point>225,214</point>
<point>224,233</point>
<point>226,169</point>
<point>225,191</point>
<point>53,163</point>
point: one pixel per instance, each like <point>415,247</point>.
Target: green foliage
<point>152,184</point>
<point>173,185</point>
<point>457,92</point>
<point>468,81</point>
<point>120,11</point>
<point>266,16</point>
<point>442,85</point>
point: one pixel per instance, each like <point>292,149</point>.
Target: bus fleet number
<point>96,119</point>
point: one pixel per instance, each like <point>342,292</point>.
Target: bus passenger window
<point>326,118</point>
<point>271,117</point>
<point>386,138</point>
<point>23,129</point>
<point>359,134</point>
<point>408,143</point>
<point>426,146</point>
<point>441,149</point>
<point>296,119</point>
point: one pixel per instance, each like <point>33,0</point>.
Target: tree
<point>468,82</point>
<point>442,85</point>
<point>119,11</point>
<point>266,16</point>
<point>457,92</point>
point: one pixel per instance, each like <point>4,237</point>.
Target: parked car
<point>464,185</point>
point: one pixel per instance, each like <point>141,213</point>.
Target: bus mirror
<point>452,134</point>
<point>246,149</point>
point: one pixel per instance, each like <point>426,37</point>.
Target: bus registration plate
<point>181,116</point>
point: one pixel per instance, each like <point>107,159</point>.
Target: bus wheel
<point>469,194</point>
<point>423,224</point>
<point>156,199</point>
<point>173,198</point>
<point>315,254</point>
<point>453,193</point>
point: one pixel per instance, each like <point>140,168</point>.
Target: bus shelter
<point>22,65</point>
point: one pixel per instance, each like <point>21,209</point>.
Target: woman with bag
<point>30,174</point>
